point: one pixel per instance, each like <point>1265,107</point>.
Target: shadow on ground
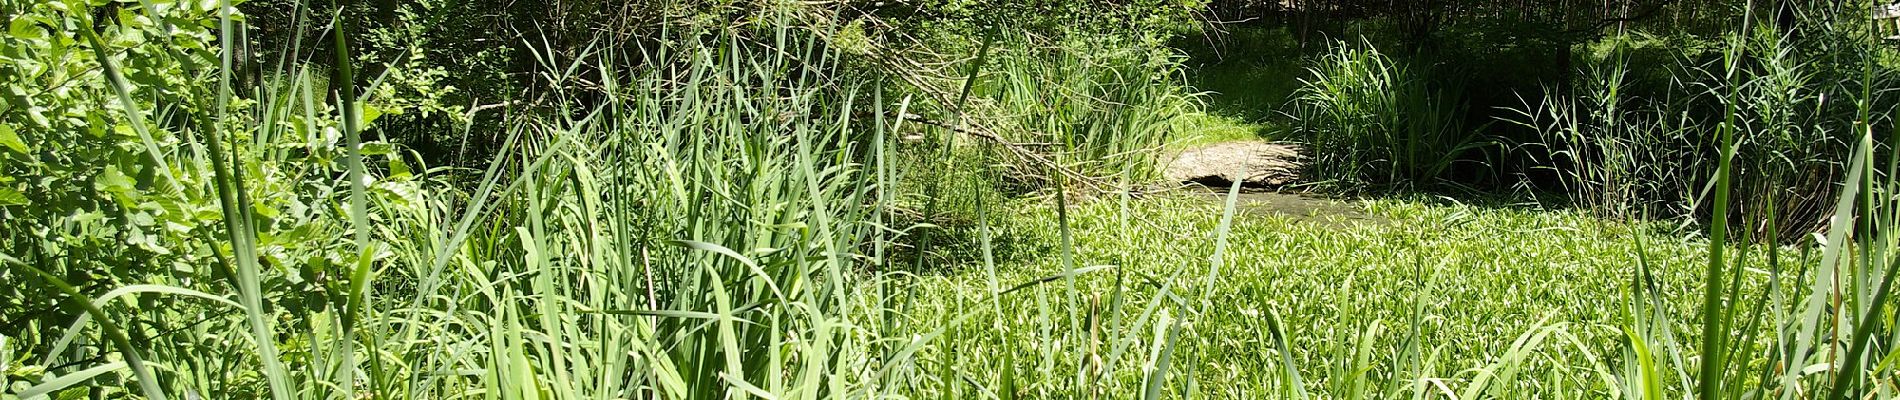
<point>1252,72</point>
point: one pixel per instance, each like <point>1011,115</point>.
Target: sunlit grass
<point>1477,277</point>
<point>721,219</point>
<point>1209,128</point>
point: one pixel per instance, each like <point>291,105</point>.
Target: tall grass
<point>1793,104</point>
<point>716,220</point>
<point>1108,109</point>
<point>1851,283</point>
<point>693,225</point>
<point>1617,162</point>
<point>1372,120</point>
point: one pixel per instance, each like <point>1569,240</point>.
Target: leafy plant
<point>1793,110</point>
<point>1370,120</point>
<point>1106,105</point>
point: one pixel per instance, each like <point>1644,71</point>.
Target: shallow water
<point>1299,207</point>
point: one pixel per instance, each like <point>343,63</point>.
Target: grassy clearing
<point>1209,128</point>
<point>1254,70</point>
<point>1474,278</point>
<point>1250,76</point>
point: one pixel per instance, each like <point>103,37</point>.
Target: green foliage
<point>725,209</point>
<point>1626,147</point>
<point>1148,22</point>
<point>1452,286</point>
<point>117,174</point>
<point>716,199</point>
<point>1622,163</point>
<point>1107,104</point>
<point>97,202</point>
<point>1252,71</point>
<point>612,226</point>
<point>1369,119</point>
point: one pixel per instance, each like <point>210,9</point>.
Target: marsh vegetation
<point>716,199</point>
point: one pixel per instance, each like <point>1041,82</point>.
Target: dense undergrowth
<point>795,201</point>
<point>1426,297</point>
<point>1634,132</point>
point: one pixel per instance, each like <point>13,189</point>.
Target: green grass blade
<point>148,382</point>
<point>39,391</point>
<point>1220,239</point>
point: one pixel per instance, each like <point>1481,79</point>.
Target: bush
<point>155,174</point>
<point>1612,155</point>
<point>1109,105</point>
<point>1794,108</point>
<point>1370,120</point>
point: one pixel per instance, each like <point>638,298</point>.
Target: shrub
<point>1370,120</point>
<point>1615,154</point>
<point>1794,108</point>
<point>1108,105</point>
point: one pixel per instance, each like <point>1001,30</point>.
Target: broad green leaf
<point>25,28</point>
<point>11,197</point>
<point>370,113</point>
<point>37,114</point>
<point>11,140</point>
<point>112,181</point>
<point>398,169</point>
<point>378,149</point>
<point>68,380</point>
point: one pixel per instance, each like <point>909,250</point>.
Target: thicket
<point>1796,99</point>
<point>727,208</point>
<point>439,60</point>
<point>1613,109</point>
<point>263,214</point>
